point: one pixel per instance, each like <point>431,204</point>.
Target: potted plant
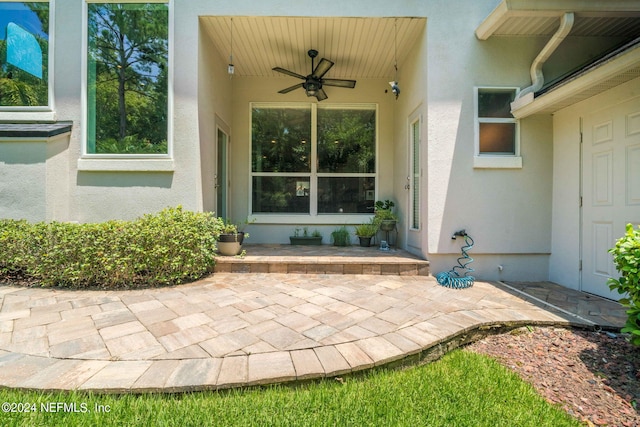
<point>366,231</point>
<point>384,216</point>
<point>302,237</point>
<point>341,236</point>
<point>231,239</point>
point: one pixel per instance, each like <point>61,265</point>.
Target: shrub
<point>626,257</point>
<point>341,236</point>
<point>170,247</point>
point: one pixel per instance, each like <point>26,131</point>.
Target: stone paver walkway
<point>233,330</point>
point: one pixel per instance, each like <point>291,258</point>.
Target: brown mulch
<point>594,376</point>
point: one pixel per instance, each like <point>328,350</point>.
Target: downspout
<point>537,78</point>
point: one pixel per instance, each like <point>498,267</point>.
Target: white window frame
<point>44,113</point>
<point>127,162</point>
<point>313,217</point>
<point>495,160</point>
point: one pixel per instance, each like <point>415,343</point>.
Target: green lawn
<point>461,389</point>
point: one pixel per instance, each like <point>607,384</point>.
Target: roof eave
<point>507,9</point>
<point>616,71</point>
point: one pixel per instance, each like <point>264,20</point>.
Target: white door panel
<point>610,188</point>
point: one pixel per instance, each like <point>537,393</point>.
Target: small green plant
<point>384,211</point>
<point>387,205</point>
<point>626,257</point>
<point>230,227</point>
<point>368,229</point>
<point>341,236</point>
<point>316,233</point>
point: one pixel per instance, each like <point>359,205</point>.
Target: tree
<point>129,45</point>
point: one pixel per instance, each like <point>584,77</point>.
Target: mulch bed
<point>594,376</point>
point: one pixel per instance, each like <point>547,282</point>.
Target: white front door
<point>610,188</point>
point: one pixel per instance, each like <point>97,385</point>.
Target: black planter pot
<point>306,240</point>
<point>237,237</point>
<point>365,242</point>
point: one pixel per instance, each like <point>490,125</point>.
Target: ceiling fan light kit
<point>314,82</point>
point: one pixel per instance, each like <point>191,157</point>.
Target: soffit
<point>359,47</point>
<point>610,73</point>
<point>611,18</point>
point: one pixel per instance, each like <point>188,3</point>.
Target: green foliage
<point>626,257</point>
<point>461,389</point>
<point>130,145</point>
<point>341,236</point>
<point>346,140</point>
<point>170,247</point>
<point>384,211</point>
<point>128,78</point>
<point>368,229</point>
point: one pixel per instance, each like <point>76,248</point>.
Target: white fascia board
<point>549,8</point>
<point>530,105</point>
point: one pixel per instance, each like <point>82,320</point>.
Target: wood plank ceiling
<point>360,47</point>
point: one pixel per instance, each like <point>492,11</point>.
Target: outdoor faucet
<point>460,233</point>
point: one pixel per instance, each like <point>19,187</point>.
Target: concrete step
<point>322,259</point>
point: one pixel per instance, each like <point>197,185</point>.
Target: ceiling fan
<point>313,82</point>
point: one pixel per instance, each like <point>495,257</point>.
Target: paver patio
<point>239,329</point>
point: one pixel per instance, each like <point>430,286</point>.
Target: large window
<point>24,54</point>
<point>310,159</point>
<point>127,78</point>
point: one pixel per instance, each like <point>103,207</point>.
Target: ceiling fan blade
<point>322,68</point>
<point>289,89</point>
<point>339,83</point>
<point>321,95</point>
<point>290,73</point>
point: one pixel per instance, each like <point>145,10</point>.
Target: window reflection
<point>24,53</point>
<point>346,195</point>
<point>280,194</point>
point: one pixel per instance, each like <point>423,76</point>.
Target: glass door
<point>221,178</point>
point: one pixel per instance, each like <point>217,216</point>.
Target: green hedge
<point>170,247</point>
<point>626,257</point>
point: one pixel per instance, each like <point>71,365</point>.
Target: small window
<point>127,78</point>
<point>24,54</point>
<point>496,128</point>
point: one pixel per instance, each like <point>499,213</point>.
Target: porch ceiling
<point>609,18</point>
<point>360,47</point>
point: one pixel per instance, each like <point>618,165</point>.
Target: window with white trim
<point>127,78</point>
<point>314,160</point>
<point>24,55</point>
<point>496,130</point>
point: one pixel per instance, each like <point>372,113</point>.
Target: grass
<point>461,389</point>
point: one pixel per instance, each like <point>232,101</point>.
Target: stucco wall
<point>215,90</point>
<point>23,180</point>
<point>506,211</point>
